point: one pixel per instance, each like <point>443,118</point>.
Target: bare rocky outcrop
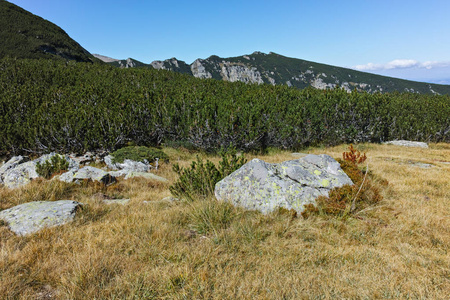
<point>240,72</point>
<point>199,70</point>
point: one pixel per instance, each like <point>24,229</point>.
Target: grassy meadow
<point>207,249</point>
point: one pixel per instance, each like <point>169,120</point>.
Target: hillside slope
<point>24,35</point>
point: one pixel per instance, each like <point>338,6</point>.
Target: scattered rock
<point>407,144</point>
<point>93,174</point>
<point>20,175</point>
<point>16,173</point>
<point>128,165</point>
<point>30,217</point>
<point>82,159</point>
<point>291,184</point>
<point>12,163</point>
<point>66,177</point>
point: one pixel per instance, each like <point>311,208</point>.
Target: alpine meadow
<point>251,177</point>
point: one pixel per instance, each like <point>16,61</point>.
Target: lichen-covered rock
<point>10,164</point>
<point>127,166</point>
<point>16,173</point>
<point>67,176</point>
<point>20,175</point>
<point>33,216</point>
<point>108,161</point>
<point>407,144</point>
<point>291,184</point>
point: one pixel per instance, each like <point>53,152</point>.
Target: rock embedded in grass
<point>90,173</point>
<point>33,216</point>
<point>292,184</point>
<point>16,173</point>
<point>407,144</point>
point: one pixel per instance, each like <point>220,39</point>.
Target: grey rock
<point>108,161</point>
<point>146,175</point>
<point>128,165</point>
<point>19,174</point>
<point>12,163</point>
<point>67,176</point>
<point>30,217</point>
<point>407,144</point>
<point>292,184</point>
<point>134,166</point>
<point>118,173</point>
<point>82,159</point>
<point>94,174</point>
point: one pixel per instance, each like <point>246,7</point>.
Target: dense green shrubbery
<point>58,106</point>
<point>52,166</point>
<point>139,153</point>
<point>200,179</point>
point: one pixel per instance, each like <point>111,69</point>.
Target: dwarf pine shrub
<point>199,180</point>
<point>56,164</point>
<point>139,153</point>
<point>349,199</point>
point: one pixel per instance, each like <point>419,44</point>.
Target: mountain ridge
<point>273,68</point>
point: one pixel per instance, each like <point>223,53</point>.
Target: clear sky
<point>401,38</point>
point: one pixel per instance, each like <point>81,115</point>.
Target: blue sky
<point>399,38</point>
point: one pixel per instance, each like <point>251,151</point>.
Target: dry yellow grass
<point>207,249</point>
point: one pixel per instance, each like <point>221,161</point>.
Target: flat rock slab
<point>30,217</point>
<point>146,175</point>
<point>407,144</point>
<point>262,186</point>
<point>116,201</point>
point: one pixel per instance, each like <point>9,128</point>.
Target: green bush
<point>200,179</point>
<point>139,153</point>
<point>56,164</point>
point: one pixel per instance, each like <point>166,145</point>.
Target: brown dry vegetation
<point>209,249</point>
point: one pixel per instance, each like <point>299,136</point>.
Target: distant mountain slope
<point>276,69</point>
<point>24,35</point>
